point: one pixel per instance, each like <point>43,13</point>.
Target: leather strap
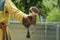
<point>3,27</point>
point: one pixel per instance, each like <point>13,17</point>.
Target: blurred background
<point>47,28</point>
<point>51,8</point>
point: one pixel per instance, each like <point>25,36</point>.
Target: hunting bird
<point>35,11</point>
<point>31,19</point>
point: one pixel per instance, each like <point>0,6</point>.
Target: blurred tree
<point>48,5</point>
<point>59,3</point>
<point>54,16</point>
<point>24,5</point>
<point>52,10</point>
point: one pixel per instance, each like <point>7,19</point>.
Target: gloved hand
<point>27,21</point>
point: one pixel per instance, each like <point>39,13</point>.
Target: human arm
<point>14,11</point>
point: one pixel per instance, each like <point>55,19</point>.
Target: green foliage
<point>53,16</point>
<point>48,5</point>
<point>52,11</point>
<point>19,4</point>
<point>59,3</point>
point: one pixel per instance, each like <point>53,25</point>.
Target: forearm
<point>13,11</point>
<point>18,15</point>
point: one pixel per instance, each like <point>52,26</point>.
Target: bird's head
<point>35,11</point>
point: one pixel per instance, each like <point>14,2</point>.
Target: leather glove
<point>27,21</point>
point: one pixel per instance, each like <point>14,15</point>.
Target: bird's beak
<point>42,14</point>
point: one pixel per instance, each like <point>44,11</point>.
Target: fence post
<point>57,32</point>
<point>45,31</point>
